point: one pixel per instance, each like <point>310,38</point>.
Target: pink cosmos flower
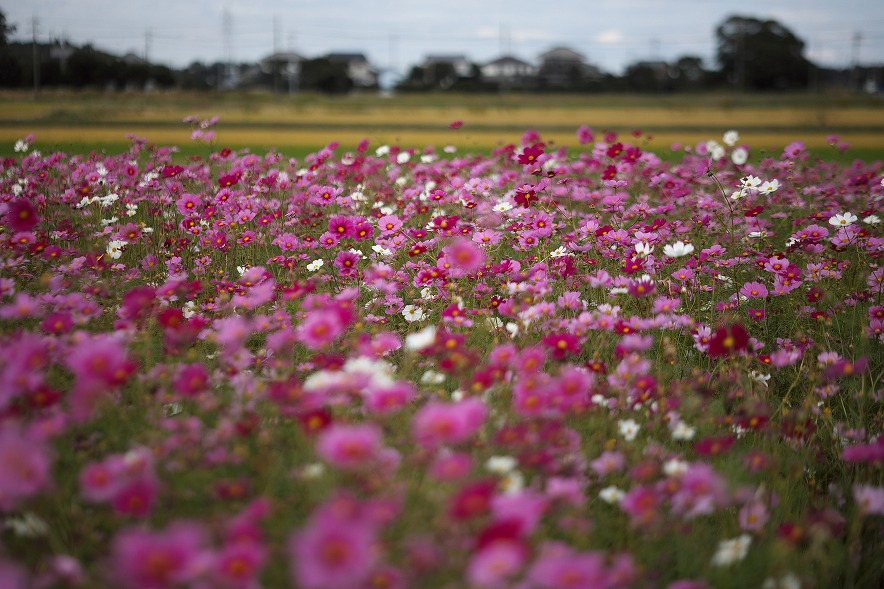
<point>451,466</point>
<point>238,565</point>
<point>439,423</point>
<point>753,516</point>
<point>560,567</point>
<point>388,399</point>
<point>145,559</point>
<point>25,463</point>
<point>350,446</point>
<point>701,491</point>
<point>641,503</point>
<point>869,499</point>
<point>335,550</point>
<point>494,566</point>
<point>461,257</point>
<point>347,263</point>
<point>319,330</point>
<point>98,481</point>
<point>754,290</point>
<point>12,576</point>
<point>584,135</point>
<point>135,498</point>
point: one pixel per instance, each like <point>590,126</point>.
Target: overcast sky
<point>401,33</point>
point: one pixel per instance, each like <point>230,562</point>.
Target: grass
<point>297,125</point>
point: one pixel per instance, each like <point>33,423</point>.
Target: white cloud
<point>609,37</point>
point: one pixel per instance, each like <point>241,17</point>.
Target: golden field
<point>303,122</point>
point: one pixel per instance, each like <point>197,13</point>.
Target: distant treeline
<point>752,55</point>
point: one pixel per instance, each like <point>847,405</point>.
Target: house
<point>359,70</point>
<point>282,62</point>
<point>509,72</point>
<point>282,68</point>
<point>562,67</point>
<point>444,70</point>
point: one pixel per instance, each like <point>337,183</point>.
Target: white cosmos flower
<point>628,428</point>
<point>739,156</point>
<point>872,220</point>
<point>678,249</point>
<point>612,495</point>
<point>402,157</point>
<point>716,150</point>
<point>730,138</point>
<point>381,250</point>
<point>502,207</point>
<point>643,249</point>
<point>731,551</point>
<point>382,150</point>
<point>769,186</point>
<point>559,252</point>
<point>21,146</point>
<point>675,467</point>
<point>750,182</point>
<point>759,377</point>
<point>682,431</point>
<point>500,464</point>
<point>413,313</point>
<point>27,525</point>
<point>115,248</point>
<point>432,377</point>
<point>843,220</point>
<point>315,265</point>
<point>421,340</point>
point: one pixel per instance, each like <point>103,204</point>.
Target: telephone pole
<point>228,48</point>
<point>35,57</point>
<point>148,37</point>
<point>854,60</point>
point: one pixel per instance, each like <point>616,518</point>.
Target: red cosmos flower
<point>473,500</point>
<point>727,340</point>
<point>614,150</point>
<point>529,155</point>
<point>562,345</point>
<point>633,265</point>
<point>525,196</point>
<point>21,215</point>
<point>753,212</point>
<point>171,171</point>
<point>713,446</point>
<point>314,421</point>
<point>229,180</point>
<point>456,125</point>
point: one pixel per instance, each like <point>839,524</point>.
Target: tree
<point>761,55</point>
<point>326,76</point>
<point>5,30</point>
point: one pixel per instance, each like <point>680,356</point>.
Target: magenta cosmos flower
<point>145,559</point>
<point>333,552</point>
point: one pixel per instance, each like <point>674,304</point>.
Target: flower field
<point>542,367</point>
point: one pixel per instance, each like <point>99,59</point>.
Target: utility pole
<point>740,61</point>
<point>854,60</point>
<point>148,37</point>
<point>228,47</point>
<point>293,67</point>
<point>276,61</point>
<point>35,57</point>
<point>392,61</point>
